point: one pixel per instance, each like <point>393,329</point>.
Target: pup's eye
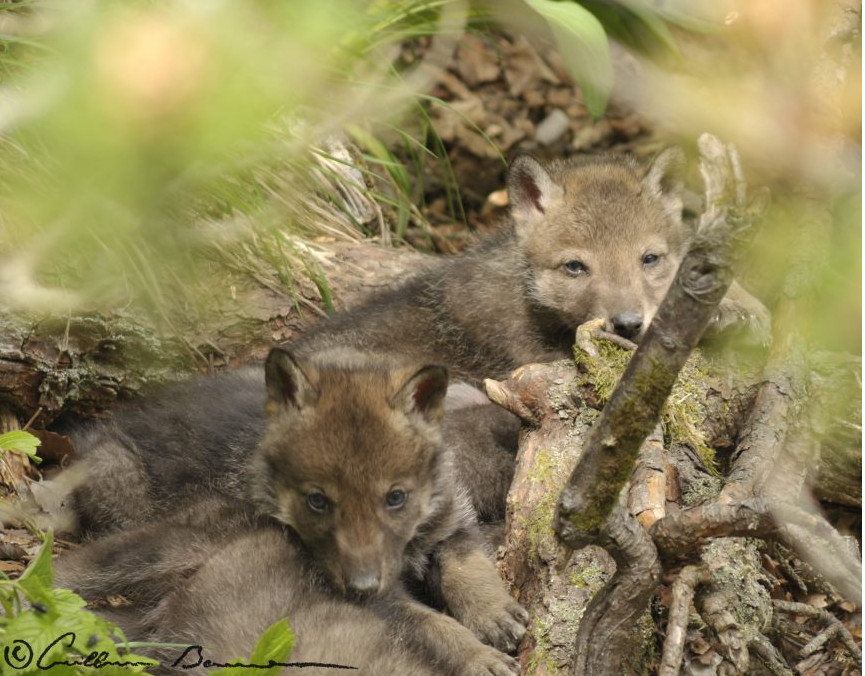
<point>576,267</point>
<point>317,501</point>
<point>650,259</point>
<point>395,498</point>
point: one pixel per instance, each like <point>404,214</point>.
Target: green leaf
<point>36,581</point>
<point>584,47</point>
<point>379,154</point>
<point>22,442</point>
<point>635,24</point>
<point>275,645</point>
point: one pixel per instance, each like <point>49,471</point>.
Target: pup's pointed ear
<point>288,386</point>
<point>665,180</point>
<point>423,393</point>
<point>531,189</point>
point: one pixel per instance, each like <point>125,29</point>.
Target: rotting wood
<point>551,583</point>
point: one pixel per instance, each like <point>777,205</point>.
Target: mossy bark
<point>553,584</point>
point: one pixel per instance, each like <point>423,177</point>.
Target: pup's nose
<point>627,324</point>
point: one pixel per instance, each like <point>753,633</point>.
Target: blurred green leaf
<point>19,441</point>
<point>143,123</point>
<point>274,646</point>
<point>583,44</point>
<point>636,24</point>
<point>36,581</point>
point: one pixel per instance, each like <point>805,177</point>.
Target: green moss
<point>540,657</point>
<point>684,408</point>
<point>545,466</point>
<point>539,524</point>
<point>602,373</point>
<point>585,578</point>
<point>587,523</point>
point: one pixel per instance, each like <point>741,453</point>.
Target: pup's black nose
<point>628,324</point>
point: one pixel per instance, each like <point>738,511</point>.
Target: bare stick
<point>826,618</point>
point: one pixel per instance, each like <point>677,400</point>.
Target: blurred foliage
<point>140,138</point>
<point>42,628</point>
<point>148,146</point>
<point>47,629</point>
<point>135,125</point>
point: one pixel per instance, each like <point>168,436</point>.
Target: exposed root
<point>762,648</point>
<point>677,623</point>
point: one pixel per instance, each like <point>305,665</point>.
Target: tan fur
<point>513,300</point>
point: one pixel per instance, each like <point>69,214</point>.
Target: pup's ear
<point>423,393</point>
<point>288,386</point>
<point>665,180</point>
<point>531,189</point>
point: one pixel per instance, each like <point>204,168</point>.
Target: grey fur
<point>513,300</point>
<point>351,427</point>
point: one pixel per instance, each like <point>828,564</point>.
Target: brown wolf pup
<point>587,237</point>
<point>213,576</point>
<point>155,454</point>
<point>351,462</point>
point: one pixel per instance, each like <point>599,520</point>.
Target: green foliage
<point>274,647</point>
<point>144,127</point>
<point>19,441</point>
<point>54,628</point>
<point>583,44</point>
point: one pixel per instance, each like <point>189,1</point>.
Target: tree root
<point>677,621</point>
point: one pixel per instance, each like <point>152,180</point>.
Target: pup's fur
<point>351,462</point>
<point>589,237</point>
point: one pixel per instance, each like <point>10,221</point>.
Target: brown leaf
<point>11,567</point>
<point>55,447</point>
<point>848,606</point>
<point>475,61</point>
<point>700,646</point>
<point>523,67</point>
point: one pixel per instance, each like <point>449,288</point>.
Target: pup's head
<point>352,460</point>
<point>600,237</point>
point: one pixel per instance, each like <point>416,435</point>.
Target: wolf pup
<point>587,237</point>
<point>213,577</point>
<point>351,461</point>
<point>155,454</point>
